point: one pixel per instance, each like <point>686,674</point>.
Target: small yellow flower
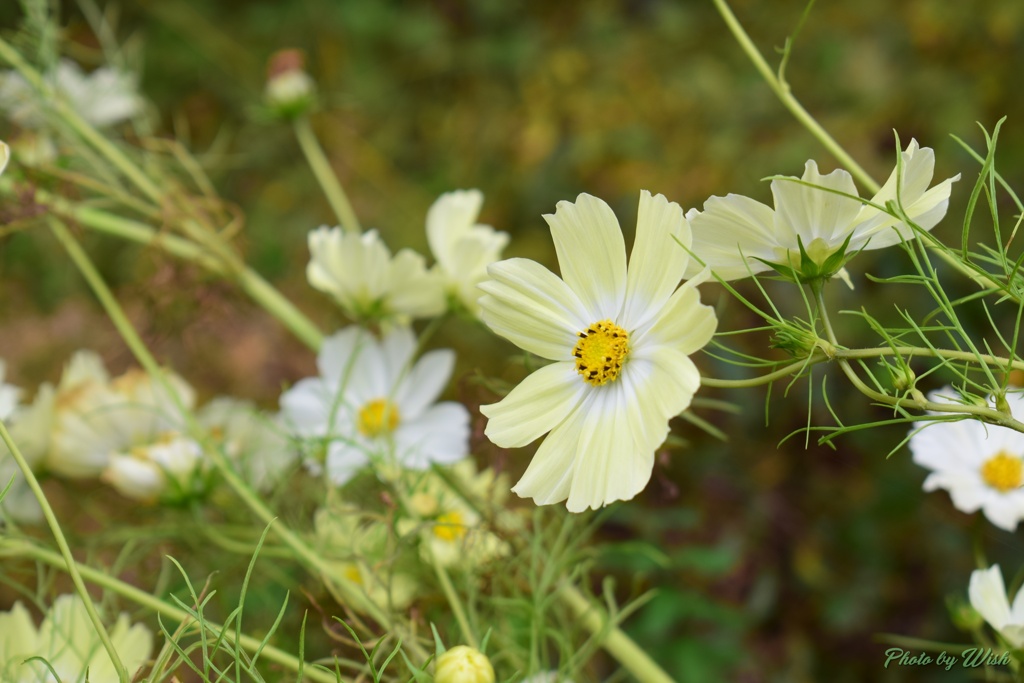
<point>463,664</point>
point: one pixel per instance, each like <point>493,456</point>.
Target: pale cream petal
<point>5,156</point>
<point>534,407</point>
<point>614,460</point>
<point>548,478</point>
<point>413,290</point>
<point>591,254</point>
<point>18,635</point>
<point>528,305</point>
<point>684,324</point>
<point>810,212</point>
<point>730,234</point>
<point>987,594</point>
<point>657,262</point>
<point>449,218</point>
<point>674,380</point>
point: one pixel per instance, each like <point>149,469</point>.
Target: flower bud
<point>290,91</point>
<point>463,664</point>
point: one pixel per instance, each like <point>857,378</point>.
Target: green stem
<point>307,556</point>
<point>249,280</point>
<point>846,354</point>
<point>782,91</point>
<point>325,175</point>
<point>80,125</point>
<point>65,558</point>
<point>153,604</point>
<point>617,643</point>
<point>918,402</point>
<point>455,603</point>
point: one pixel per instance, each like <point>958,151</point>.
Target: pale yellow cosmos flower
<point>620,340</point>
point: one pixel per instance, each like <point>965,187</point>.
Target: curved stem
<point>325,175</point>
<point>617,643</point>
<point>846,354</point>
<point>917,403</point>
<point>65,558</point>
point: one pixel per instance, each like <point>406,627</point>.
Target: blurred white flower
<point>103,98</point>
<point>9,394</point>
<point>988,597</point>
<point>170,467</point>
<point>254,442</point>
<point>5,156</point>
<point>735,235</point>
<point>68,641</point>
<point>463,248</point>
<point>981,465</point>
<point>620,340</point>
<point>371,403</point>
<point>546,677</point>
<point>290,92</point>
<point>368,284</point>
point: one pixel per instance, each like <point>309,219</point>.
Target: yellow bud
<point>463,664</point>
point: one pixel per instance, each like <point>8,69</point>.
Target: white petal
<point>988,596</point>
<point>548,478</point>
<point>308,407</point>
<point>614,461</point>
<point>424,383</point>
<point>535,406</point>
<point>339,352</point>
<point>528,305</point>
<point>669,379</point>
<point>449,218</point>
<point>810,212</point>
<point>413,290</point>
<point>1005,510</point>
<point>730,235</point>
<point>440,435</point>
<point>657,262</point>
<point>591,254</point>
<point>684,323</point>
<point>344,460</point>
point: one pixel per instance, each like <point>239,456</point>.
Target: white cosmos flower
<point>359,272</point>
<point>255,443</point>
<point>67,640</point>
<point>734,232</point>
<point>9,394</point>
<point>5,156</point>
<point>103,98</point>
<point>462,247</point>
<point>171,467</point>
<point>371,403</point>
<point>620,340</point>
<point>988,597</point>
<point>981,465</point>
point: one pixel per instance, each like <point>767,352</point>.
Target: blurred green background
<point>773,562</point>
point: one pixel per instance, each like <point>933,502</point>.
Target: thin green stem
<point>782,91</point>
<point>455,603</point>
<point>617,643</point>
<point>307,556</point>
<point>140,597</point>
<point>65,558</point>
<point>918,402</point>
<point>850,354</point>
<point>80,125</point>
<point>325,175</point>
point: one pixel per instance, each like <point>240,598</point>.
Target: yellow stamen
<point>450,526</point>
<point>600,351</point>
<point>1003,472</point>
<point>378,417</point>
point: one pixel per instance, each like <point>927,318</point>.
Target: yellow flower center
<point>1003,472</point>
<point>353,574</point>
<point>600,351</point>
<point>378,417</point>
<point>450,526</point>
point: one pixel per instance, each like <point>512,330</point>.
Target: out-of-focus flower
<point>368,284</point>
<point>620,340</point>
<point>68,641</point>
<point>5,156</point>
<point>462,247</point>
<point>813,230</point>
<point>451,531</point>
<point>988,596</point>
<point>9,394</point>
<point>103,98</point>
<point>372,403</point>
<point>546,677</point>
<point>169,468</point>
<point>981,465</point>
<point>95,417</point>
<point>290,91</point>
<point>255,442</point>
<point>463,664</point>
